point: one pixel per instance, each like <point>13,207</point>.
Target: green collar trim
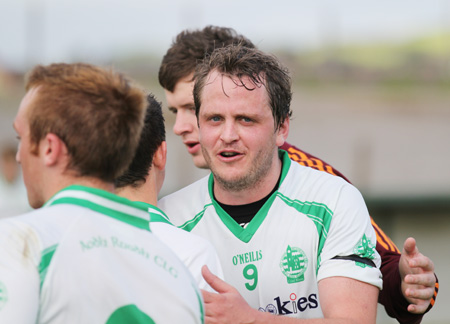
<point>246,234</point>
<point>284,156</point>
<point>103,202</point>
<point>190,224</point>
<point>156,214</point>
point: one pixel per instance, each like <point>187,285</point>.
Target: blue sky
<point>44,31</point>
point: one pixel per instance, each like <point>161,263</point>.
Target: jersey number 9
<point>251,273</point>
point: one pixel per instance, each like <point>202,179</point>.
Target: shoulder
<point>307,184</point>
<point>303,175</point>
<point>38,229</point>
<point>306,159</point>
<point>24,237</point>
<point>176,237</point>
<point>30,222</point>
<point>198,187</point>
<point>183,204</point>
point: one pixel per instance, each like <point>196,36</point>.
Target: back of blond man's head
<point>97,113</point>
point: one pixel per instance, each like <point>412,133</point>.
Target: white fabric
<point>193,250</point>
<point>79,260</point>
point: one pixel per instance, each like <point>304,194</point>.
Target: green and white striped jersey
<point>277,260</point>
<point>88,256</point>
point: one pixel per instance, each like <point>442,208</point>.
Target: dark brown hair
<point>236,62</point>
<point>189,47</point>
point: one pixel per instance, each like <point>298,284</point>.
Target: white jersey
<point>313,227</point>
<point>88,256</point>
<point>193,250</point>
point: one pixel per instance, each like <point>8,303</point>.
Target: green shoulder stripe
<point>319,213</point>
<point>46,258</point>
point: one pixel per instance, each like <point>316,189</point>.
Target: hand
<point>418,279</point>
<point>225,306</point>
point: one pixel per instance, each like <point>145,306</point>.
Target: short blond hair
<point>97,113</point>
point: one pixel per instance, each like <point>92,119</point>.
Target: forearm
<point>343,301</point>
<point>262,318</point>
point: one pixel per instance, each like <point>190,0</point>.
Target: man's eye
<point>246,119</point>
<point>173,110</point>
<point>215,118</point>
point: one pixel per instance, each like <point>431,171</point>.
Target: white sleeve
<point>19,275</point>
<point>206,255</point>
<point>193,250</point>
<point>351,233</point>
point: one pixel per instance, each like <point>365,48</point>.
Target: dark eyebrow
<point>182,106</point>
<point>251,116</point>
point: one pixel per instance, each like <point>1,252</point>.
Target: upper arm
<point>208,256</point>
<point>202,253</point>
<point>350,299</point>
<point>350,233</point>
<point>19,277</point>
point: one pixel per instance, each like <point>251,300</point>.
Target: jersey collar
<point>102,202</point>
<point>245,234</point>
<point>156,214</point>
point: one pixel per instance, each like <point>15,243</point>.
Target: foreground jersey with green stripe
<point>88,256</point>
<point>193,250</point>
<point>277,260</point>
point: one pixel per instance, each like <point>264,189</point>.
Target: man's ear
<point>53,150</point>
<point>160,156</point>
<point>283,132</point>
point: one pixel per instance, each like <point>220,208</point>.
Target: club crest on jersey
<point>364,249</point>
<point>3,295</point>
<point>293,264</point>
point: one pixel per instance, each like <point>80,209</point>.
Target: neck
<point>253,193</point>
<point>144,193</point>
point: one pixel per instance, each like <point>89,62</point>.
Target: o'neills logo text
<point>247,257</point>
